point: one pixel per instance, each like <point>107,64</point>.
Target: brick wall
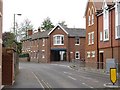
<point>89,29</point>
<point>112,46</point>
<point>73,48</point>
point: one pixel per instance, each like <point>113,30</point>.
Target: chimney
<point>30,32</point>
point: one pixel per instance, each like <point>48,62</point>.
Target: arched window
<point>58,39</point>
<point>106,23</point>
<point>89,19</point>
<point>92,15</point>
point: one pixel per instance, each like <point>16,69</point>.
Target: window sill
<point>106,40</point>
<point>77,44</point>
<point>117,38</point>
<point>90,44</point>
<point>58,44</point>
<point>92,24</point>
<point>89,25</point>
<point>77,58</point>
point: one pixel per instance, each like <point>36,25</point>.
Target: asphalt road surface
<point>34,75</point>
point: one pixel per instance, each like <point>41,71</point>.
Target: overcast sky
<point>71,11</point>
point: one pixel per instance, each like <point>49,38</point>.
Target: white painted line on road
<point>54,64</point>
<point>87,85</point>
<point>38,80</point>
<point>60,65</point>
<point>110,85</point>
<point>69,67</point>
<point>49,85</point>
<point>45,83</point>
<point>89,78</point>
<point>72,78</point>
<point>67,73</point>
<point>63,65</point>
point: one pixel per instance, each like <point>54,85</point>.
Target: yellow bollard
<point>113,75</point>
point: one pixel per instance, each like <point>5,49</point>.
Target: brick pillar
<point>1,11</point>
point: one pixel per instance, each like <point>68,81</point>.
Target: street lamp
<point>15,31</point>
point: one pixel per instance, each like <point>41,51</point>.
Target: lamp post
<point>15,31</point>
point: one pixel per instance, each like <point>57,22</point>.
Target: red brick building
<point>91,48</point>
<point>1,12</point>
<point>109,32</point>
<point>59,44</point>
<point>102,18</point>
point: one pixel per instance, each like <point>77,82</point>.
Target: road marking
<point>60,65</point>
<point>45,83</point>
<point>88,78</point>
<point>87,85</point>
<point>110,85</point>
<point>72,78</point>
<point>38,80</point>
<point>49,85</point>
<point>67,73</point>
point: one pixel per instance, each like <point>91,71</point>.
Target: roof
<point>62,27</point>
<point>26,38</point>
<point>40,35</point>
<point>71,32</point>
<point>98,4</point>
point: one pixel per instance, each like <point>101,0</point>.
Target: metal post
<point>15,31</point>
<point>14,26</point>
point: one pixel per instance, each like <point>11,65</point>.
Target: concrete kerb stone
<point>75,67</point>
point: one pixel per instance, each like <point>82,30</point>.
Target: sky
<point>70,11</point>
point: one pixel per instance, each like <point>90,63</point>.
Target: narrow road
<point>34,75</point>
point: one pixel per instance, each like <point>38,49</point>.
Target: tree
<point>63,23</point>
<point>47,24</point>
<point>24,27</point>
<point>8,39</point>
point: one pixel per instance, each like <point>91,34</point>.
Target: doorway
<point>101,63</point>
<point>58,55</point>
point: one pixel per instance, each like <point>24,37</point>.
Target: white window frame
<point>43,42</point>
<point>77,39</point>
<point>55,39</point>
<point>117,22</point>
<point>88,54</point>
<point>106,24</point>
<point>43,53</point>
<point>92,19</point>
<point>92,33</point>
<point>93,53</point>
<point>77,52</point>
<point>89,39</point>
<point>92,16</point>
<point>101,37</point>
<point>89,19</point>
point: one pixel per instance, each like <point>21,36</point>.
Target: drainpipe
<point>111,34</point>
<point>97,45</point>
